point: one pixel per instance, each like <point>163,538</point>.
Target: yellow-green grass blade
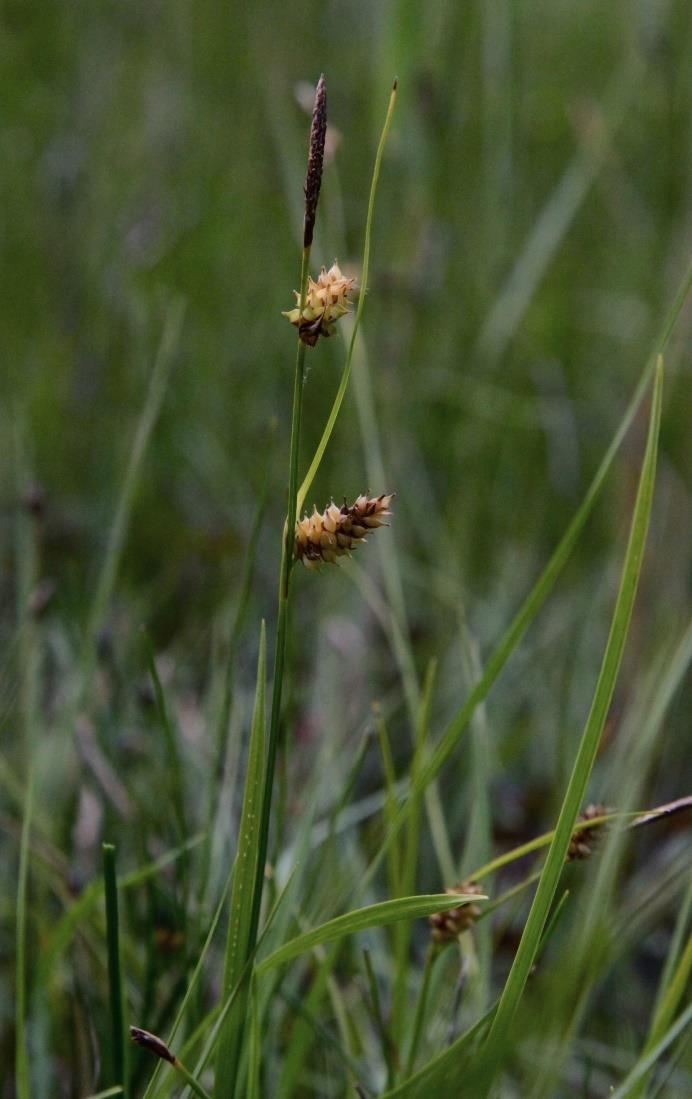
<point>240,916</point>
<point>497,1042</point>
<point>362,919</point>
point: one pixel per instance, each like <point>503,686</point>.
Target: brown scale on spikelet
<point>584,840</point>
<point>448,926</point>
<point>324,536</point>
<point>325,303</point>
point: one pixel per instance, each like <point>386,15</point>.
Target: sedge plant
<point>399,1032</point>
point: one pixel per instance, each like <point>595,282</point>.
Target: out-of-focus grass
<point>533,224</point>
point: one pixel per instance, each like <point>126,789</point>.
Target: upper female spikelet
<point>326,301</point>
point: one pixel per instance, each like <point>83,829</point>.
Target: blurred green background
<point>533,222</point>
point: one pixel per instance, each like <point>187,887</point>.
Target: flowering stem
<point>282,621</point>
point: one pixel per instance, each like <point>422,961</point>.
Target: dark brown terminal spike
<point>151,1042</point>
<point>313,179</point>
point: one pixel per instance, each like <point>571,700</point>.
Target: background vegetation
<point>533,226</point>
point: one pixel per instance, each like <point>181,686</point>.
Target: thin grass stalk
<point>312,190</point>
<point>115,981</point>
<point>388,1050</point>
<point>421,1009</point>
<point>77,914</point>
<point>244,877</point>
<point>282,622</point>
<point>411,847</point>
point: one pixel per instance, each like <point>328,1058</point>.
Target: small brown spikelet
<point>324,536</point>
<point>325,302</point>
<point>584,840</point>
<point>313,179</point>
<point>153,1043</point>
<point>448,926</point>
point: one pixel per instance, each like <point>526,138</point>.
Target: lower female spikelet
<point>334,532</point>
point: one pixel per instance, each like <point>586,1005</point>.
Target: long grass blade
<point>526,952</point>
<point>374,915</point>
<point>240,916</point>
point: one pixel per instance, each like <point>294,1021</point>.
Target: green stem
<point>114,972</point>
<point>282,622</point>
<point>421,1006</point>
<point>190,1080</point>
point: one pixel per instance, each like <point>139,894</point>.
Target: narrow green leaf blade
<point>240,917</point>
<point>610,665</point>
<point>374,915</point>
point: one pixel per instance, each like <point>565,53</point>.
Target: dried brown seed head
<point>325,536</point>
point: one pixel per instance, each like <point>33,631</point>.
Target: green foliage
<point>525,265</point>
